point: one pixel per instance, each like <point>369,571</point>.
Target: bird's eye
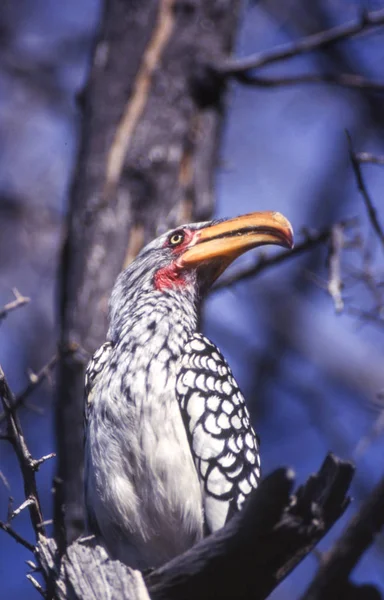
<point>177,238</point>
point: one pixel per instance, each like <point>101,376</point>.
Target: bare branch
<point>19,539</point>
<point>368,20</point>
<point>367,157</point>
<point>372,214</point>
<point>311,240</point>
<point>339,562</point>
<point>35,380</point>
<point>366,315</point>
<point>24,457</point>
<point>17,511</point>
<point>371,281</point>
<point>32,565</point>
<point>14,304</point>
<point>335,284</point>
<point>5,480</point>
<point>47,522</point>
<point>39,461</point>
<point>36,585</point>
<point>343,79</point>
<point>376,430</point>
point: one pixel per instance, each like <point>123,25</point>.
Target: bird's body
<point>170,452</point>
<point>146,485</point>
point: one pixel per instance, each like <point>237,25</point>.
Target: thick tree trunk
<point>152,115</point>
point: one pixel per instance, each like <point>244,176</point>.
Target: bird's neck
<point>151,334</point>
<point>156,319</point>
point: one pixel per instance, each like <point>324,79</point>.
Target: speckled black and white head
<point>187,260</point>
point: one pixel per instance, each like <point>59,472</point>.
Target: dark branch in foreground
<point>310,241</point>
<point>246,559</point>
<point>261,546</point>
<point>372,214</point>
<point>339,562</point>
<point>368,20</point>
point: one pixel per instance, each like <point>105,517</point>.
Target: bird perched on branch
<point>170,453</point>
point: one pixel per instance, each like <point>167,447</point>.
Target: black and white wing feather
<point>223,443</point>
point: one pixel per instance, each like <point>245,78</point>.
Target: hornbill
<point>170,453</point>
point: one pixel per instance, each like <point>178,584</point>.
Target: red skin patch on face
<point>168,277</point>
<point>172,275</point>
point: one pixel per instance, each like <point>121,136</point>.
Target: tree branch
<point>35,379</point>
<point>338,563</point>
<point>311,240</point>
<point>26,462</point>
<point>37,585</point>
<point>19,539</point>
<point>19,300</point>
<point>335,283</point>
<point>368,20</point>
<point>367,157</point>
<point>343,79</point>
<point>258,548</point>
<point>372,214</point>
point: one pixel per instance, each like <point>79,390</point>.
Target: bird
<point>170,452</point>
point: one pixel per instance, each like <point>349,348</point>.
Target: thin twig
<point>19,539</point>
<point>335,284</point>
<point>368,157</point>
<point>17,511</point>
<point>39,461</point>
<point>19,300</point>
<point>375,432</point>
<point>5,481</point>
<point>369,278</point>
<point>343,79</point>
<point>35,379</point>
<point>26,462</point>
<point>32,565</point>
<point>36,585</point>
<point>311,241</point>
<point>47,522</point>
<point>372,214</point>
<point>233,67</point>
<point>366,315</point>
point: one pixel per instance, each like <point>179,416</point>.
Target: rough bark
<point>247,559</point>
<point>261,546</point>
<point>152,115</point>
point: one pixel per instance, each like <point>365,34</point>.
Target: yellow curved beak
<point>229,239</point>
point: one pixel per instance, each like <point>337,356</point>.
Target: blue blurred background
<point>312,377</point>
